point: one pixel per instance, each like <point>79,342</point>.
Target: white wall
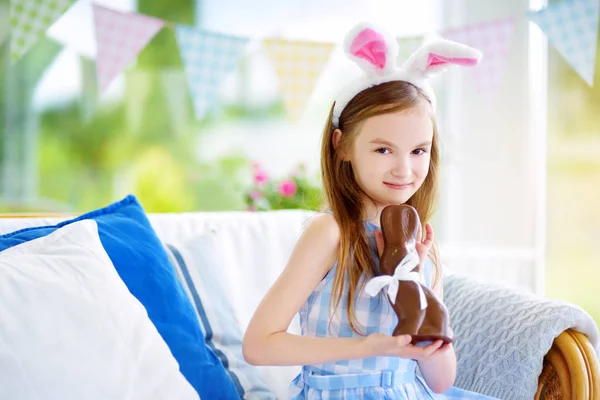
<point>494,187</point>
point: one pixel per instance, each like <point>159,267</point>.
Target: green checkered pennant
<point>29,21</point>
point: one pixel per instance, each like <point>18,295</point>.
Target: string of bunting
<point>208,57</point>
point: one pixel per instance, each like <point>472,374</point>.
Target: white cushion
<point>199,268</point>
<point>71,330</point>
<point>254,248</point>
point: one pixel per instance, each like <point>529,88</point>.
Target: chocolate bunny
<point>420,313</point>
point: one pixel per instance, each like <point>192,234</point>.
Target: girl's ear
<point>372,49</point>
<point>335,140</point>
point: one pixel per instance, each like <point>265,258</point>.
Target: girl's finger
<point>433,347</point>
<point>420,352</point>
<point>443,348</point>
<point>415,352</point>
<point>428,241</point>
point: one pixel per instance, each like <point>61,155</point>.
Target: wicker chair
<point>571,370</point>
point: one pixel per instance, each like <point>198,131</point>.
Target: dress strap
<point>385,379</point>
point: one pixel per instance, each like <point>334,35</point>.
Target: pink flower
<point>260,176</point>
<point>251,208</point>
<point>255,194</point>
<point>287,188</point>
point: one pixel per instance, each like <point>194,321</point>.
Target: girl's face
<point>390,155</point>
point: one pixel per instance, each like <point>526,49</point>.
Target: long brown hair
<point>344,197</point>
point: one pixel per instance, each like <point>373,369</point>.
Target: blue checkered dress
<point>376,378</point>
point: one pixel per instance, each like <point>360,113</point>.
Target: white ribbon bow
<point>403,272</point>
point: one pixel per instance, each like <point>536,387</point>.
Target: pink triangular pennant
<point>120,37</point>
<point>492,38</point>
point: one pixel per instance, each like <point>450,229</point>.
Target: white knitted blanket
<point>502,335</point>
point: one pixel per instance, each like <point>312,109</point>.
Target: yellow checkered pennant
<point>299,66</point>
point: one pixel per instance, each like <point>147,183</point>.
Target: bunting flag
<point>408,45</point>
<point>29,21</point>
<point>299,66</point>
<point>119,38</point>
<point>207,59</point>
<point>572,28</point>
<point>492,38</point>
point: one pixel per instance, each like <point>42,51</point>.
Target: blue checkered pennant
<point>207,59</point>
<point>572,28</point>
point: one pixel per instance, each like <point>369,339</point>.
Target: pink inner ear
<point>370,46</point>
<point>436,59</point>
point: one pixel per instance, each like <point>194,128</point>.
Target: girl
<point>379,147</point>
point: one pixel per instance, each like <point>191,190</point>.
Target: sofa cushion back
<point>254,247</point>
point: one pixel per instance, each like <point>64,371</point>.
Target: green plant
<point>294,191</point>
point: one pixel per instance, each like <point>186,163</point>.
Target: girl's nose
<point>401,167</point>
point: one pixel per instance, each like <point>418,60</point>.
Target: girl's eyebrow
<point>383,142</point>
<point>390,144</point>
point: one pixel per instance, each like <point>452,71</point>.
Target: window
<point>65,147</point>
<point>573,168</point>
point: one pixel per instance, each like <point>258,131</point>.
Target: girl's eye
<point>382,150</point>
<point>418,152</point>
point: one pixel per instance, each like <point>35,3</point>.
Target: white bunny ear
<point>373,49</point>
<point>438,55</point>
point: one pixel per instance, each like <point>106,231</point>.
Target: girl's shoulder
<point>324,225</point>
<point>318,243</point>
<point>323,230</point>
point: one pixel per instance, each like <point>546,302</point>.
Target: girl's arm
<point>439,369</point>
<point>266,341</point>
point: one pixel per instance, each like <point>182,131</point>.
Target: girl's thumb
<point>404,340</point>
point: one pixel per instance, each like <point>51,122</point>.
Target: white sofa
<point>255,247</point>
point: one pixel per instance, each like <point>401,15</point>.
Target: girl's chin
<point>397,198</point>
<point>383,201</point>
<point>387,202</point>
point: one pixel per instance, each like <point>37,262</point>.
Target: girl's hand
<point>380,345</point>
<point>423,247</point>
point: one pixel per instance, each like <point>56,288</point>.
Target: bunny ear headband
<point>375,52</point>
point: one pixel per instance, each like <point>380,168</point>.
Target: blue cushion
<point>142,263</point>
<point>199,268</point>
